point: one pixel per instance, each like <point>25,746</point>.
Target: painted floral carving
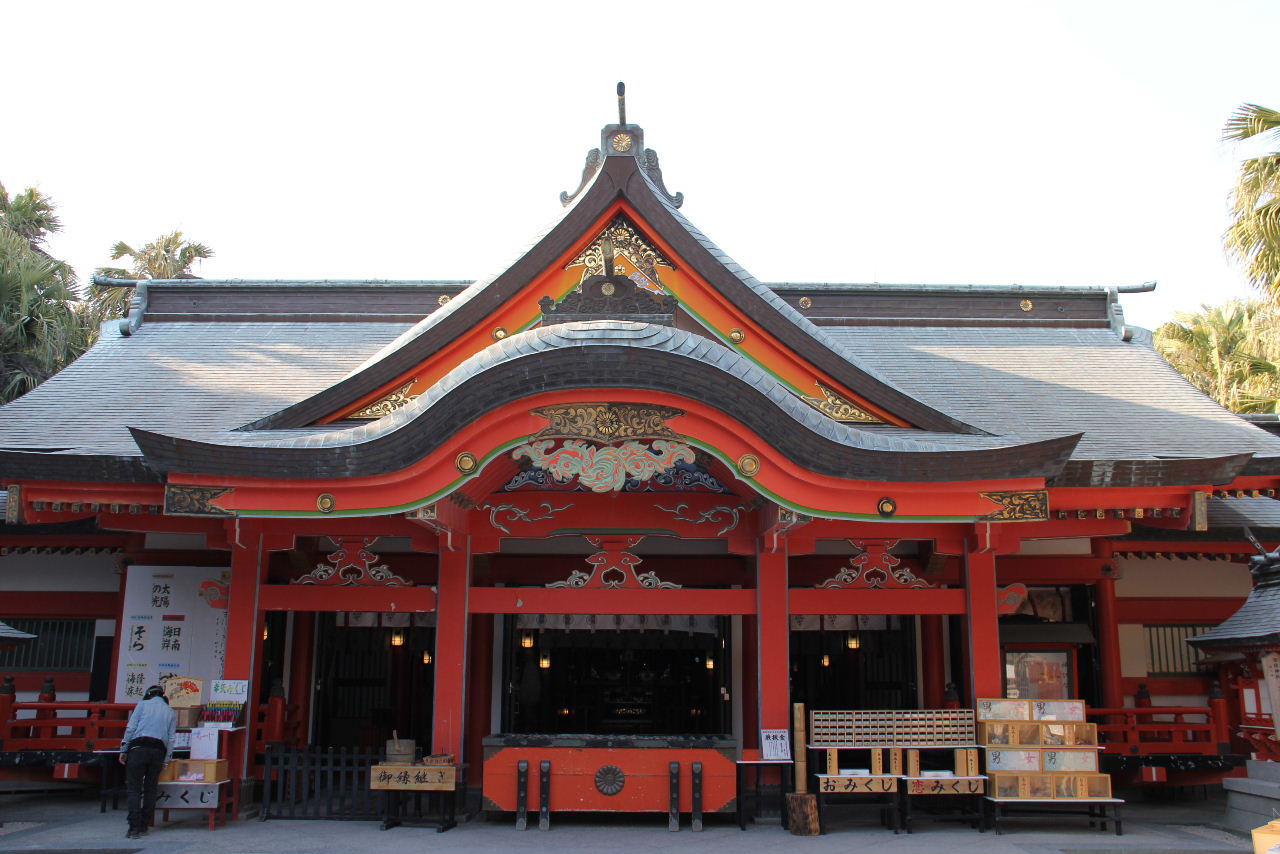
<point>604,469</point>
<point>874,567</point>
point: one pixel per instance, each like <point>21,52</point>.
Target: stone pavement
<point>57,823</point>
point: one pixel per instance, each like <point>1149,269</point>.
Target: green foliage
<point>169,256</point>
<point>1253,238</point>
<point>43,326</point>
<point>1231,352</point>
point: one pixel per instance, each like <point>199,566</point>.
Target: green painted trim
<point>734,347</point>
<point>393,509</point>
<point>810,511</point>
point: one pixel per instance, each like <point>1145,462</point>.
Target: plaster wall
<point>55,573</point>
<point>1162,577</point>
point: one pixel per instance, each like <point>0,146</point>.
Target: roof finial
<point>622,103</point>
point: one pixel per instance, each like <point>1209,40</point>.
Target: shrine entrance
<point>617,674</point>
<point>852,662</point>
<point>372,679</point>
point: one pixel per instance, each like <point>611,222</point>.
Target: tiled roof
<point>1036,383</point>
<point>188,377</point>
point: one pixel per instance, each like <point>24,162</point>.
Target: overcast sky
<point>1040,143</point>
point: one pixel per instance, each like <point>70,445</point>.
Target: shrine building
<point>622,493</point>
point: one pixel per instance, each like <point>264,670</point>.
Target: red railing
<point>49,724</point>
<point>62,726</point>
<point>1153,730</point>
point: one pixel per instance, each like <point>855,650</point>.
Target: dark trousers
<point>142,775</point>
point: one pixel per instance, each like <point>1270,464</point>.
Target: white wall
<point>79,573</point>
<point>1191,577</point>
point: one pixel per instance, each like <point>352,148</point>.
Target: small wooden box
<point>966,762</point>
<point>1068,735</point>
<point>1002,785</point>
<point>195,771</point>
<point>1009,733</point>
<point>1071,760</point>
<point>999,709</point>
<point>1057,710</point>
<point>1013,760</point>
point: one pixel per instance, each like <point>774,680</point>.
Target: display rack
<point>877,752</point>
<point>1042,752</point>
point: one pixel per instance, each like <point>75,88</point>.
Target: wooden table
<point>213,797</point>
<point>966,790</point>
<point>1095,810</point>
<point>881,791</point>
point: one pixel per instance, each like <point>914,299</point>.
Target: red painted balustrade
<point>1155,730</point>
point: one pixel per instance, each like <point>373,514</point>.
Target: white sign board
<point>230,691</point>
<point>175,624</point>
<point>1271,675</point>
<point>775,744</point>
<point>204,743</point>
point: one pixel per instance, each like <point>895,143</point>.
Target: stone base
<point>1254,800</point>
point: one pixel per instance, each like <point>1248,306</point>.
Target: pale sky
<point>1037,142</point>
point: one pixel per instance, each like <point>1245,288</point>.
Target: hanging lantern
<point>526,640</point>
<point>711,663</point>
<point>826,661</point>
<point>397,638</point>
<point>544,661</point>
<point>426,656</point>
<point>852,641</point>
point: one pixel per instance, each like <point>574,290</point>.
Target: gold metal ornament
<point>737,336</point>
<point>805,302</point>
<point>886,506</point>
<point>499,332</point>
<point>621,142</point>
<point>325,502</point>
<point>466,462</point>
<point>443,298</point>
<point>1026,305</point>
<point>607,289</point>
<point>749,465</point>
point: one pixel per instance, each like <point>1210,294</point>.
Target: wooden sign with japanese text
<point>421,778</point>
<point>831,784</point>
<point>945,785</point>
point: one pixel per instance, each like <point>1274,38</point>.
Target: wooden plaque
<point>420,778</point>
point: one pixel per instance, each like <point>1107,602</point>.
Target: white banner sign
<point>175,624</point>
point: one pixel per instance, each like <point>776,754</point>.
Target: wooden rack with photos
<point>1040,750</point>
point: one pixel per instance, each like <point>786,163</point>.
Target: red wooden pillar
<point>984,628</point>
<point>1109,643</point>
<point>933,665</point>
<point>452,624</point>
<point>244,634</point>
<point>481,688</point>
<point>773,631</point>
<point>302,673</point>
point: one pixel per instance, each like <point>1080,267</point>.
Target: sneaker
<point>133,834</point>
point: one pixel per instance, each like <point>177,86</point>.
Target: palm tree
<point>1253,238</point>
<point>1231,352</point>
<point>29,214</point>
<point>42,324</point>
<point>169,256</point>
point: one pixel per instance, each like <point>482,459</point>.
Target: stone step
<point>1264,769</point>
<point>1253,786</point>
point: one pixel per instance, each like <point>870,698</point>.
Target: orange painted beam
<point>543,600</point>
<point>315,597</point>
<point>878,601</point>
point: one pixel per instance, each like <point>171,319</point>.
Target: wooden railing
<point>1155,730</point>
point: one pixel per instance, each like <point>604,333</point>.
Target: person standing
<point>147,746</point>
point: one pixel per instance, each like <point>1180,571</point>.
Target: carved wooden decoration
<point>613,568</point>
<point>874,568</point>
<point>351,565</point>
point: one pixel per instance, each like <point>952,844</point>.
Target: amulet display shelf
<point>1042,758</point>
